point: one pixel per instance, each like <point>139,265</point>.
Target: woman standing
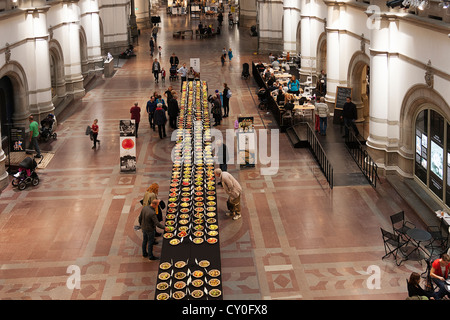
<point>160,120</point>
<point>150,195</point>
<point>226,100</point>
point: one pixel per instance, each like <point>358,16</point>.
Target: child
<point>222,58</point>
<point>230,54</point>
<point>163,75</point>
<point>160,52</point>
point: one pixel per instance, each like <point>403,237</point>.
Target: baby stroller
<point>262,96</point>
<point>173,73</point>
<point>47,126</point>
<point>245,71</point>
<point>27,174</point>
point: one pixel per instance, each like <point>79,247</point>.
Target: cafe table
<point>418,236</point>
<point>307,110</point>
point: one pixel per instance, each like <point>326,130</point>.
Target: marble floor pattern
<point>297,239</point>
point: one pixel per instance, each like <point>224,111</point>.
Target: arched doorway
<point>83,54</point>
<point>321,67</point>
<point>424,142</point>
<point>6,108</point>
<point>57,71</point>
<point>358,79</point>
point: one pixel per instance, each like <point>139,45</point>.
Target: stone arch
<point>357,66</point>
<point>83,53</point>
<point>298,37</point>
<point>321,53</point>
<point>416,99</point>
<point>57,70</point>
<point>14,71</point>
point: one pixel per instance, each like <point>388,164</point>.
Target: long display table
<point>190,267</point>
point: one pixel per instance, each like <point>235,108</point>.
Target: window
<point>432,153</point>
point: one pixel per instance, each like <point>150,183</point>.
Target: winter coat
<point>160,116</point>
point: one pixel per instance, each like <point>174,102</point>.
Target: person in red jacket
<point>136,115</point>
<point>439,274</point>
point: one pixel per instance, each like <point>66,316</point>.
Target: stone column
<point>291,20</point>
<point>247,13</point>
<point>270,35</point>
<point>90,21</point>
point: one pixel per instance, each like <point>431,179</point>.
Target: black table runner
<point>190,267</point>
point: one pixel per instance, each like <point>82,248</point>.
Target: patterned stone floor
<point>297,238</point>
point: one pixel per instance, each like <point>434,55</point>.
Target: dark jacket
<point>349,111</point>
<point>148,220</point>
<point>216,109</point>
<point>135,113</point>
<point>174,61</point>
<point>151,106</point>
<point>160,117</point>
<point>173,108</point>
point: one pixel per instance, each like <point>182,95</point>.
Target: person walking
<point>148,222</point>
<point>230,54</point>
<point>152,46</point>
<point>155,30</point>
<point>156,69</point>
<point>151,107</point>
<point>136,116</point>
<point>95,130</point>
<point>233,189</point>
<point>322,111</point>
<point>160,120</point>
<point>222,59</point>
<point>172,109</point>
<point>34,134</point>
<point>349,116</point>
<point>226,95</point>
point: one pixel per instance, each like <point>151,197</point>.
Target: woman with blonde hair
<point>150,195</point>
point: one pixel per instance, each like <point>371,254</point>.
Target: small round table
<point>418,236</point>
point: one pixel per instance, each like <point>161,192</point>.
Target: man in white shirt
<point>183,72</point>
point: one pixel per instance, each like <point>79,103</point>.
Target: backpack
<point>229,94</point>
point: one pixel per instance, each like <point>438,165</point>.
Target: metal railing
<point>362,158</point>
<point>319,154</point>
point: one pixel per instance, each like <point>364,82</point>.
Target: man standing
<point>151,107</point>
<point>349,115</point>
<point>174,61</point>
<point>156,69</point>
<point>136,116</point>
<point>34,134</point>
<point>173,110</point>
<point>226,95</point>
<point>160,120</point>
<point>183,72</point>
<point>322,111</point>
<point>148,222</point>
<point>233,190</point>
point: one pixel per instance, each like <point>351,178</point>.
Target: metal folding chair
<point>392,244</point>
<point>401,226</point>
